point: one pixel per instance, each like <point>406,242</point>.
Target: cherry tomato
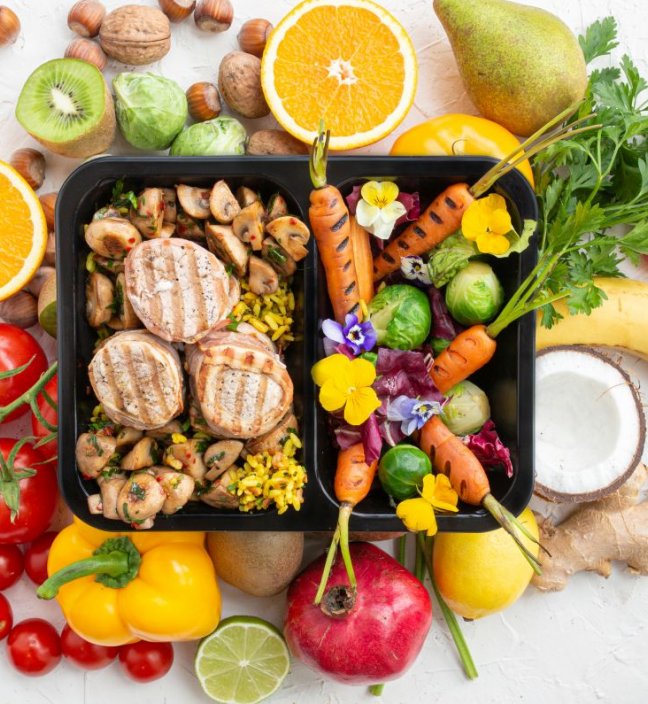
<point>36,557</point>
<point>12,564</point>
<point>144,661</point>
<point>6,617</point>
<point>34,647</point>
<point>18,347</point>
<point>85,654</point>
<point>50,449</point>
<point>37,497</point>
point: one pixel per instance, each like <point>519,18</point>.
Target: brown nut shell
<point>48,204</point>
<point>275,142</point>
<point>88,51</point>
<point>177,10</point>
<point>239,83</point>
<point>85,17</point>
<point>30,164</point>
<point>136,34</point>
<point>213,15</point>
<point>9,26</point>
<point>203,101</point>
<point>253,35</point>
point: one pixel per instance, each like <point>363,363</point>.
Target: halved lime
<point>243,661</point>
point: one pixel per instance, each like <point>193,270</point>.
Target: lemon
<point>481,573</point>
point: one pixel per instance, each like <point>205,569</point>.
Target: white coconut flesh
<point>589,424</point>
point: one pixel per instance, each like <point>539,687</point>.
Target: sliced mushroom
<point>100,299</point>
<point>95,507</point>
<point>113,266</point>
<point>167,230</point>
<point>278,257</point>
<point>222,203</point>
<point>218,495</point>
<point>221,456</point>
<point>170,204</point>
<point>275,438</point>
<point>127,437</point>
<point>189,228</point>
<point>140,497</point>
<point>149,215</point>
<point>194,201</point>
<point>189,454</point>
<point>196,419</point>
<point>224,244</point>
<point>144,454</point>
<point>292,234</point>
<point>177,486</point>
<point>277,207</point>
<point>125,310</point>
<point>246,196</point>
<point>110,488</point>
<point>263,278</point>
<point>108,211</point>
<point>93,452</point>
<point>166,431</point>
<point>248,224</point>
<point>112,237</point>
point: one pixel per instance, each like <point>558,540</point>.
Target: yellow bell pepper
<point>458,135</point>
<point>117,588</point>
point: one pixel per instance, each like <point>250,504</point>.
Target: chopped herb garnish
<point>276,255</point>
<point>215,458</point>
<point>95,443</point>
<point>121,198</point>
<point>137,491</point>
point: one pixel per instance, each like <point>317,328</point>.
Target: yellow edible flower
<point>487,222</point>
<point>378,210</point>
<point>418,514</point>
<point>346,383</point>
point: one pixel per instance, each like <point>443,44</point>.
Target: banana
<point>621,321</point>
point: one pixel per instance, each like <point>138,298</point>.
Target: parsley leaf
<point>599,39</point>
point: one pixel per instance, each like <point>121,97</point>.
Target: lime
<point>243,661</point>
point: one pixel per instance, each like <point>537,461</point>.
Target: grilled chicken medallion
<point>178,289</point>
<point>138,379</point>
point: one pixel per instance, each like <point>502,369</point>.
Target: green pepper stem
<point>115,563</point>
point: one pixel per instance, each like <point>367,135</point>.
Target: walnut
<point>239,82</point>
<point>135,34</point>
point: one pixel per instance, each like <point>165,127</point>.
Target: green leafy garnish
<point>121,198</point>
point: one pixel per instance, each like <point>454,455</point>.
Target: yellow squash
<point>117,588</point>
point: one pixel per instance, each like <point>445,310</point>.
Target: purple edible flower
<point>359,337</point>
<point>413,413</point>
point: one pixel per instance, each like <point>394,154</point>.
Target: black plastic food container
<point>508,379</point>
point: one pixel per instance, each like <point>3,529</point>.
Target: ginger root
<point>613,528</point>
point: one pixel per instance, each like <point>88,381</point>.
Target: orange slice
<point>348,62</point>
<point>23,232</point>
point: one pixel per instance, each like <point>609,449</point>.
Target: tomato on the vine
<point>36,557</point>
<point>144,661</point>
<point>18,348</point>
<point>12,564</point>
<point>6,617</point>
<point>85,654</point>
<point>34,647</point>
<point>28,492</point>
<point>50,449</point>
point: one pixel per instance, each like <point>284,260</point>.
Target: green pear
<point>521,65</point>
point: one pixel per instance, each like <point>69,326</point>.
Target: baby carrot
<point>363,260</point>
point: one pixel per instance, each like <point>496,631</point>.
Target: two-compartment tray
<point>508,379</point>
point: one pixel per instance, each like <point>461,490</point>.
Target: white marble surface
<point>586,644</point>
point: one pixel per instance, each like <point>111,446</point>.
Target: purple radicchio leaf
<point>404,373</point>
<point>443,325</point>
<point>489,449</point>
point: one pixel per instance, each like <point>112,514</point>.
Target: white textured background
<point>586,644</point>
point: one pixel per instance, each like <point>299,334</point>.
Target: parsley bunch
<point>586,185</point>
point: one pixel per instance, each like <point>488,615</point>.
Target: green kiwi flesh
<point>65,105</point>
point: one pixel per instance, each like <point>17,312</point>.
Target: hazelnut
<point>20,310</point>
<point>204,101</point>
<point>253,35</point>
<point>9,26</point>
<point>30,164</point>
<point>48,203</point>
<point>85,17</point>
<point>50,250</point>
<point>88,51</point>
<point>177,10</point>
<point>213,15</point>
<point>136,34</point>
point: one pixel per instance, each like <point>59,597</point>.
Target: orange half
<point>23,232</point>
<point>349,63</point>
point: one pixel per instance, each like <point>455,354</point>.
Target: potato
<point>257,563</point>
<point>239,83</point>
<point>275,142</point>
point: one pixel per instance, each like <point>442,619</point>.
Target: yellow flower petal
<point>492,244</point>
<point>473,222</point>
<point>500,222</point>
<point>361,403</point>
<point>438,492</point>
<point>330,367</point>
<point>379,193</point>
<point>417,515</point>
<point>333,395</point>
<point>363,372</point>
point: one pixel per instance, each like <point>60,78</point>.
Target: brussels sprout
<point>150,109</point>
<point>449,258</point>
<point>401,471</point>
<point>466,410</point>
<point>222,135</point>
<point>401,317</point>
<point>474,295</point>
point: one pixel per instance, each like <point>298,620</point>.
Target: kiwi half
<point>65,104</point>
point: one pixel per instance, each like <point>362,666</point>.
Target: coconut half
<point>590,426</point>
